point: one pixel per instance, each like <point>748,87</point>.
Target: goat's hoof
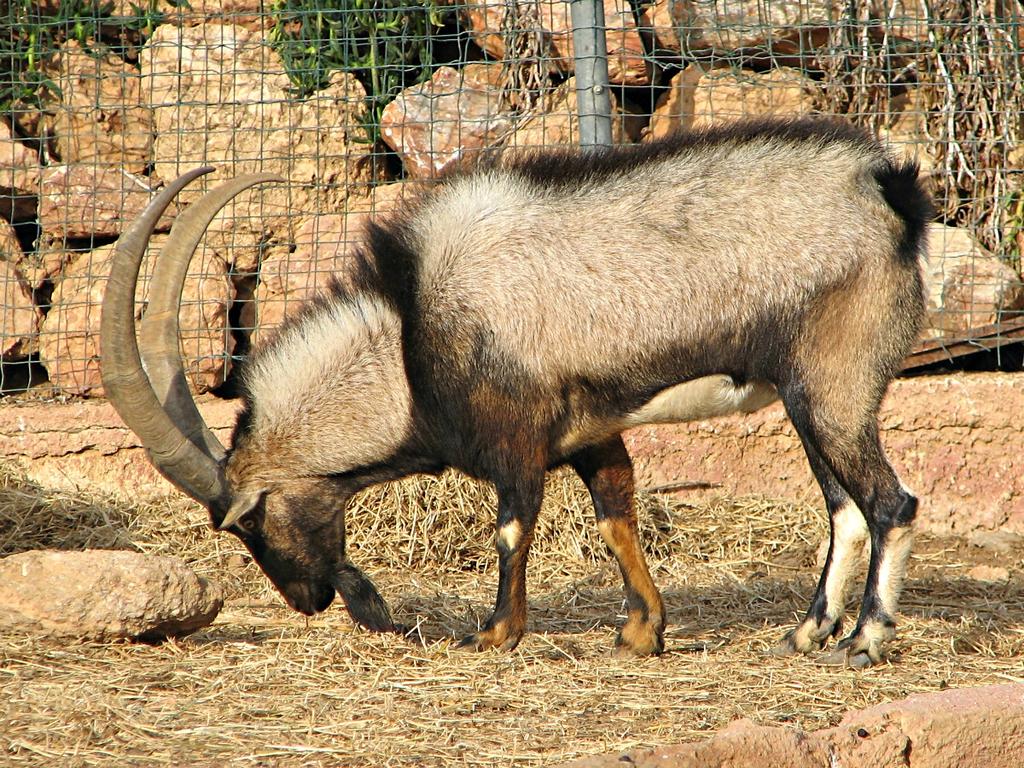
<point>785,647</point>
<point>637,645</point>
<point>640,638</point>
<point>490,638</point>
<point>809,636</point>
<point>854,653</point>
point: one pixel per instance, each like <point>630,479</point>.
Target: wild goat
<point>521,314</point>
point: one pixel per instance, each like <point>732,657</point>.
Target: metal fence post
<point>591,54</point>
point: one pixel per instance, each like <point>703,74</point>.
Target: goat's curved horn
<point>186,461</point>
<point>158,332</point>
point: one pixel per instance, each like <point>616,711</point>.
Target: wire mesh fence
<point>359,103</point>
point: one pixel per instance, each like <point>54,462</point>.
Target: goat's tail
<point>903,191</point>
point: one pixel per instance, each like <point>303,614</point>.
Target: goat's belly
<point>703,398</point>
<point>693,400</point>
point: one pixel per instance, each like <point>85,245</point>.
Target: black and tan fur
<point>521,315</point>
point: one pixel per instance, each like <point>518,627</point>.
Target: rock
<point>967,286</point>
<point>700,97</point>
<point>970,726</point>
<point>104,595</point>
<point>724,95</point>
<point>101,118</point>
<point>627,64</point>
<point>786,29</point>
<point>84,201</point>
<point>19,331</point>
<point>324,246</point>
<point>220,97</point>
<point>19,177</point>
<point>449,118</point>
<point>1002,542</point>
<point>557,122</point>
<point>996,574</point>
<point>69,344</point>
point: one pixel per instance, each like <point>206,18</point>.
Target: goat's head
<point>292,524</point>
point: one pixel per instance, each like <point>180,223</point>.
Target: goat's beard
<point>362,600</point>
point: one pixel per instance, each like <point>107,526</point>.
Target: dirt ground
<point>264,686</point>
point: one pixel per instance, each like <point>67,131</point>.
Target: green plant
<point>387,44</point>
<point>32,34</point>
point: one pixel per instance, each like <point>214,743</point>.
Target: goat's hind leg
<point>607,471</point>
<point>848,530</point>
<point>847,441</point>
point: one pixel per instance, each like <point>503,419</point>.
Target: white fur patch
<point>893,568</point>
<point>330,394</point>
<point>703,398</point>
<point>510,535</point>
<point>849,532</point>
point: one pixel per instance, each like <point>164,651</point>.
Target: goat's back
<point>574,264</point>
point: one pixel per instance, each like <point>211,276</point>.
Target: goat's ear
<point>242,503</point>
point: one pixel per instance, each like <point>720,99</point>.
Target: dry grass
<point>262,686</point>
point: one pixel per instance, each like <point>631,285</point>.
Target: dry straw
<point>263,686</point>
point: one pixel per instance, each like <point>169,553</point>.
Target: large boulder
<point>557,121</point>
<point>69,342</point>
<point>963,727</point>
<point>19,318</point>
<point>699,97</point>
<point>101,118</point>
<point>220,96</point>
<point>325,246</point>
<point>786,29</point>
<point>83,201</point>
<point>19,176</point>
<point>447,119</point>
<point>626,60</point>
<point>104,595</point>
<point>968,287</point>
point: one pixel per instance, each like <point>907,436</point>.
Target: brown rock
<point>675,108</point>
<point>19,177</point>
<point>10,247</point>
<point>724,95</point>
<point>19,330</point>
<point>558,121</point>
<point>966,726</point>
<point>82,201</point>
<point>626,62</point>
<point>197,11</point>
<point>449,118</point>
<point>47,262</point>
<point>971,726</point>
<point>104,595</point>
<point>69,344</point>
<point>994,573</point>
<point>220,97</point>
<point>102,117</point>
<point>784,28</point>
<point>967,286</point>
<point>700,97</point>
<point>324,246</point>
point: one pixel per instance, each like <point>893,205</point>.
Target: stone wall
<point>955,440</point>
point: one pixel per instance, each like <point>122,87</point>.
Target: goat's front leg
<point>608,473</point>
<point>518,506</point>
